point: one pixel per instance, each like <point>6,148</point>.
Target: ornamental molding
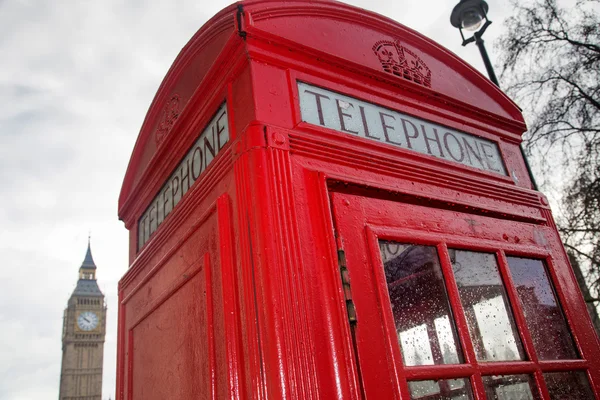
<point>400,61</point>
<point>169,116</point>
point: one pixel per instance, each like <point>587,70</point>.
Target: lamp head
<point>471,20</point>
<point>470,15</point>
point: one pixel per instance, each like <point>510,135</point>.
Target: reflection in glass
<point>424,325</point>
<point>443,389</point>
<point>571,385</point>
<point>543,314</point>
<point>486,306</point>
<point>510,387</point>
<point>415,346</point>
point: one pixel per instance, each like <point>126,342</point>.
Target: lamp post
<point>471,16</point>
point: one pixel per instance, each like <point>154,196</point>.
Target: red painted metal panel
<point>231,308</point>
<point>362,220</point>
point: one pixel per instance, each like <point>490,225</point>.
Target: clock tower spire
<point>88,266</point>
<point>84,329</point>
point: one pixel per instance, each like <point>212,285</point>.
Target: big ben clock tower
<point>84,328</point>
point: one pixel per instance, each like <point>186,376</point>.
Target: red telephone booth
<point>324,204</point>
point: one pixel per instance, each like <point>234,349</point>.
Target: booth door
<point>454,305</point>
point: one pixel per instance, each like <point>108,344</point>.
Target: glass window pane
<point>424,325</point>
<point>572,385</point>
<point>510,387</point>
<point>443,389</point>
<point>545,320</point>
<point>491,324</point>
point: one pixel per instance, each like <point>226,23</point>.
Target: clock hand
<point>86,319</point>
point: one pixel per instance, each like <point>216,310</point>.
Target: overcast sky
<point>76,79</point>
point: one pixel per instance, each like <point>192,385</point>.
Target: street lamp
<point>471,16</point>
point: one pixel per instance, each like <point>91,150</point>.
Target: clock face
<point>87,321</point>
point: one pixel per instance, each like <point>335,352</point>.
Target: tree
<point>550,59</point>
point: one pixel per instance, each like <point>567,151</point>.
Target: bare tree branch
<point>550,63</point>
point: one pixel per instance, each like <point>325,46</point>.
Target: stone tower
<point>84,328</point>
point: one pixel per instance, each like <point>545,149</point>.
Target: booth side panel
<point>286,280</point>
<point>178,328</point>
<point>264,324</point>
<point>282,327</point>
<point>233,292</point>
<point>171,322</point>
<point>299,341</point>
<point>336,369</point>
<point>121,356</point>
<point>253,374</point>
<point>305,346</point>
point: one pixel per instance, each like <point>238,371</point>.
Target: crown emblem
<point>400,61</point>
<point>170,115</point>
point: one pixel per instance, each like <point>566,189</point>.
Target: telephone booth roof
<point>326,31</point>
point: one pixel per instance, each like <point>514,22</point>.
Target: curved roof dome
<point>328,32</point>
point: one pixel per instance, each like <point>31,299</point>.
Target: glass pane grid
<point>572,385</point>
<point>457,307</point>
<point>516,306</point>
<point>510,387</point>
<point>419,302</point>
<point>441,389</point>
<point>544,318</point>
<point>520,347</point>
<point>489,316</point>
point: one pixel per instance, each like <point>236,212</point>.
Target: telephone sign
<point>370,121</point>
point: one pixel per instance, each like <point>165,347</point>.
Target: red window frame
<point>362,222</point>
